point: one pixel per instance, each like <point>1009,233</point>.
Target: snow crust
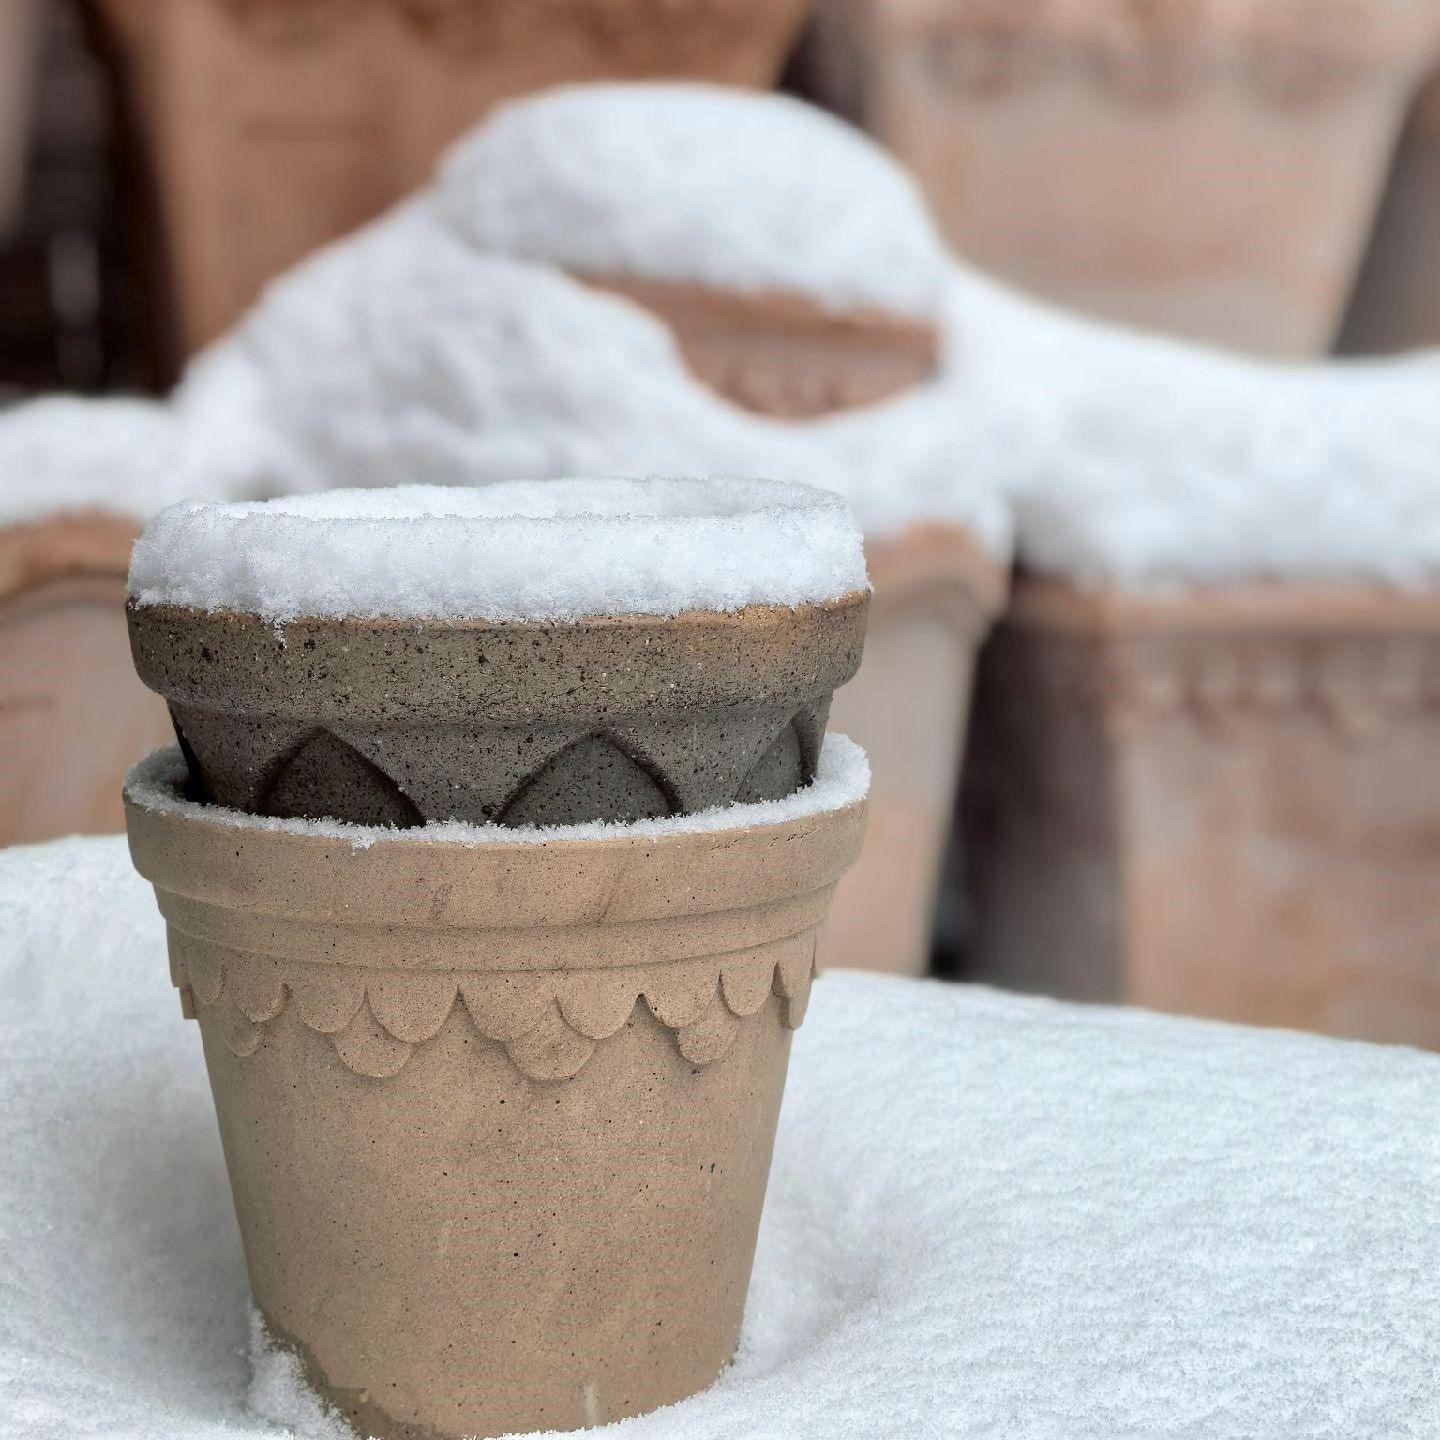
<point>842,778</point>
<point>988,1216</point>
<point>697,183</point>
<point>522,550</point>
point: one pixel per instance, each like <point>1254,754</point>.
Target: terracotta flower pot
<point>785,355</point>
<point>1396,305</point>
<point>17,68</point>
<point>524,721</point>
<point>63,663</point>
<point>1204,168</point>
<point>278,125</point>
<point>498,1115</point>
<point>936,592</point>
<point>1218,802</point>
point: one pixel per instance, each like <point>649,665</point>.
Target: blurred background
<point>1221,799</point>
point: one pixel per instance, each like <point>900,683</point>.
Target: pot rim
<point>1253,607</point>
<point>508,672</point>
<point>452,878</point>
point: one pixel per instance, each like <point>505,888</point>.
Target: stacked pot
<point>497,1084</point>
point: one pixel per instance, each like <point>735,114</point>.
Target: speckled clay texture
<point>402,722</point>
<point>498,1118</point>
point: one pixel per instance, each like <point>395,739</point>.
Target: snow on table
<point>988,1216</point>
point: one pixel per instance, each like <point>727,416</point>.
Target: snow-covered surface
<point>62,454</point>
<point>1150,463</point>
<point>702,184</point>
<point>841,778</point>
<point>439,346</point>
<point>520,550</point>
<point>988,1216</point>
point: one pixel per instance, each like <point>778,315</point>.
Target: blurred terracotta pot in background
<point>1396,305</point>
<point>1196,166</point>
<point>277,125</point>
<point>936,592</point>
<point>1222,803</point>
<point>73,717</point>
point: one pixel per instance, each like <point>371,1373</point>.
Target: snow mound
<point>522,550</point>
<point>987,1215</point>
<point>405,355</point>
<point>842,778</point>
<point>702,184</point>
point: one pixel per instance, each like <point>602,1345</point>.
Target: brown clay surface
<point>275,126</point>
<point>936,591</point>
<point>73,717</point>
<point>783,354</point>
<point>498,1119</point>
<point>1203,169</point>
<point>1217,803</point>
<point>395,722</point>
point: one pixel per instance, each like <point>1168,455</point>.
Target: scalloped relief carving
<point>1154,52</point>
<point>549,1022</point>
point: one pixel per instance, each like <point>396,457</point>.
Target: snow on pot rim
<point>549,550</point>
<point>791,259</point>
<point>697,183</point>
<point>558,712</point>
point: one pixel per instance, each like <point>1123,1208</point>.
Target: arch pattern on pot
<point>548,1021</point>
<point>407,775</point>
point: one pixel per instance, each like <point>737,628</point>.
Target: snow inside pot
<point>527,653</point>
<point>498,1106</point>
<point>794,262</point>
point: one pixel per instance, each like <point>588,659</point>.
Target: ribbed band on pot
<point>521,723</point>
<point>546,948</point>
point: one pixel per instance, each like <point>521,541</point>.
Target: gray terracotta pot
<point>402,722</point>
